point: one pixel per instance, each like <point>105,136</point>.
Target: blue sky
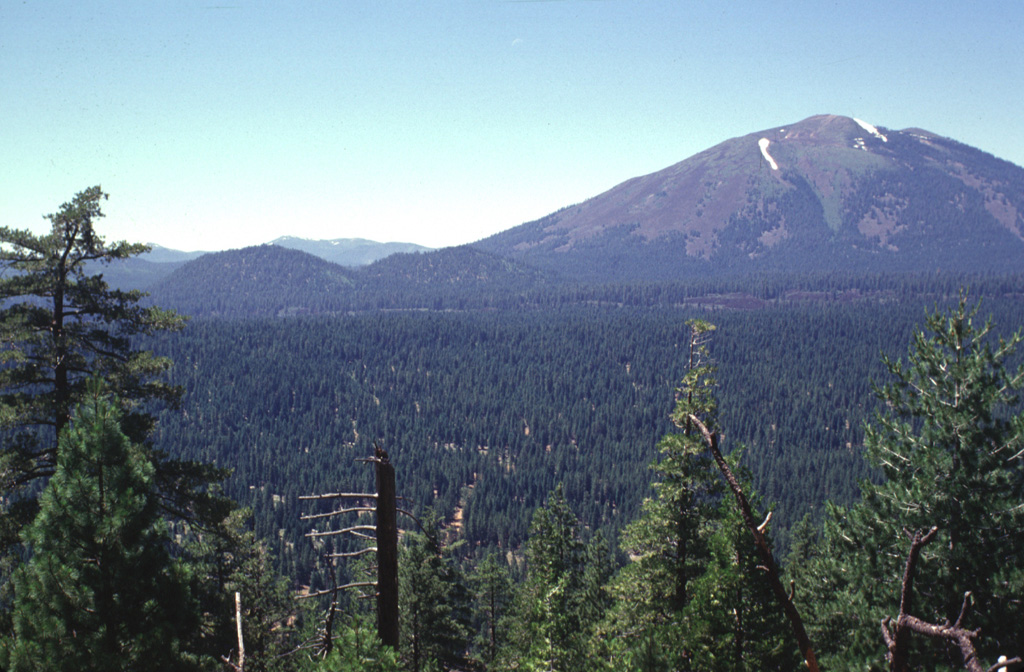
<point>225,123</point>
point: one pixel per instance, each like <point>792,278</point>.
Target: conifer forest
<point>773,473</point>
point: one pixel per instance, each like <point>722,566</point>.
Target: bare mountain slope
<point>827,193</point>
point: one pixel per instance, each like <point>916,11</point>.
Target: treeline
<point>270,281</point>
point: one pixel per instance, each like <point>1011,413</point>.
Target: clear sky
<point>217,124</point>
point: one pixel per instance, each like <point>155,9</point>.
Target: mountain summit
<point>824,194</point>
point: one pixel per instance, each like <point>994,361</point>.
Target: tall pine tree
<point>691,596</point>
<point>668,544</point>
<point>60,324</point>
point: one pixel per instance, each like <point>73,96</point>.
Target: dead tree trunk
<point>384,534</point>
<point>387,554</point>
<point>768,560</point>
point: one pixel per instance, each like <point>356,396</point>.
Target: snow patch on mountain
<point>871,129</point>
<point>763,144</point>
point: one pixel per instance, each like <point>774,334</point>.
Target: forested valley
<point>572,465</point>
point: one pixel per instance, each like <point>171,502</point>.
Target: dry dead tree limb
<point>238,626</point>
<point>338,495</point>
<point>338,512</point>
<point>797,623</point>
<point>348,530</point>
<point>897,640</point>
<point>1005,665</point>
<point>353,554</point>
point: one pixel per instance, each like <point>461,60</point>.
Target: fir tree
<point>493,590</point>
<point>668,544</point>
<point>434,603</point>
<point>560,601</point>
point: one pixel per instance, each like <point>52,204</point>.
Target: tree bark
<point>387,554</point>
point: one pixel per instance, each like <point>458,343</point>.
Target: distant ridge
<point>826,197</point>
<point>146,270</point>
<point>347,251</point>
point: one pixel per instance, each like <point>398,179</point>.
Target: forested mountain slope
<point>264,280</point>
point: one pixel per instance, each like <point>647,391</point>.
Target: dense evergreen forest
<point>485,412</point>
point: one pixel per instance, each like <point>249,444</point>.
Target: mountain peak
<point>823,193</point>
<point>823,129</point>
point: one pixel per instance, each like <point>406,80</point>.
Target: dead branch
<point>897,636</point>
<point>338,512</point>
<point>1004,665</point>
<point>319,593</point>
<point>346,530</point>
<point>353,554</point>
<point>240,666</point>
<point>797,623</point>
<point>338,495</point>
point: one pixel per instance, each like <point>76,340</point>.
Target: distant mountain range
<point>341,251</point>
<point>148,269</point>
<point>348,251</point>
<point>822,196</point>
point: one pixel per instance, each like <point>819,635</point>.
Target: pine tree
<point>229,560</point>
<point>668,544</point>
<point>493,590</point>
<point>733,620</point>
<point>101,590</point>
<point>358,649</point>
<point>60,324</point>
<point>949,443</point>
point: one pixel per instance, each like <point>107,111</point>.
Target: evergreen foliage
<point>560,600</point>
<point>668,543</point>
<point>949,442</point>
<point>358,649</point>
<point>733,620</point>
<point>486,411</point>
<point>492,586</point>
<point>434,603</point>
<point>101,590</point>
<point>230,559</point>
<point>690,597</point>
<point>61,324</point>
